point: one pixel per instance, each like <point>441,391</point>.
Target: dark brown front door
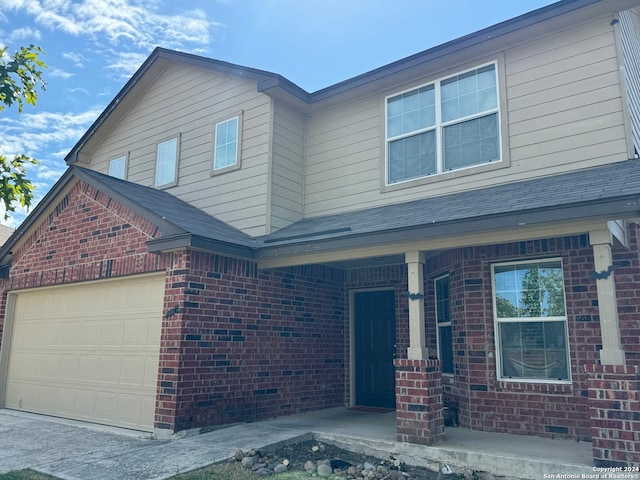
<point>375,338</point>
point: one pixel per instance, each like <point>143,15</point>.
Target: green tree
<point>20,80</point>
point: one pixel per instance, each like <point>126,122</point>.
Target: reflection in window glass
<point>166,162</point>
<point>226,144</point>
<point>531,321</point>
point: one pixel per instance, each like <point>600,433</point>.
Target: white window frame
<point>121,163</point>
<point>440,325</point>
<point>499,321</point>
<point>238,154</point>
<point>175,164</point>
<point>439,126</point>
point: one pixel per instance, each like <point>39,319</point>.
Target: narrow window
<point>118,167</point>
<point>531,321</point>
<point>443,318</point>
<point>167,163</point>
<point>226,149</point>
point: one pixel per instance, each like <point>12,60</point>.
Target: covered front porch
<point>571,406</point>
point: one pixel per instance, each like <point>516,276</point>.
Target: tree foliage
<point>20,81</point>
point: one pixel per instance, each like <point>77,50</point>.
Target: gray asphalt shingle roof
<point>171,209</point>
<point>582,193</point>
<point>585,187</point>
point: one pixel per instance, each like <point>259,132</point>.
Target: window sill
<point>540,386</point>
<point>450,175</point>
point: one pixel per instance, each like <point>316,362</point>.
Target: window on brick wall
<point>443,318</point>
<point>531,321</point>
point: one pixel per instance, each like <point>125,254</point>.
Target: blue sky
<point>93,46</point>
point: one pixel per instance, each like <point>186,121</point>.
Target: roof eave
<point>619,208</point>
<point>187,240</point>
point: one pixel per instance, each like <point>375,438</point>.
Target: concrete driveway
<point>78,451</point>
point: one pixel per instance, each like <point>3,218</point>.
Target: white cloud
<point>138,23</point>
<point>125,63</point>
<point>48,137</point>
<point>77,58</point>
<point>56,72</point>
<point>31,133</point>
<point>25,33</point>
<point>79,90</point>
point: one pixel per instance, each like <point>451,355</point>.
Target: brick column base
<point>614,404</point>
<point>419,409</point>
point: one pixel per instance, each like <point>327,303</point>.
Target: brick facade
<point>247,344</point>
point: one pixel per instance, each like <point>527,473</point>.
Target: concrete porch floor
<point>498,454</point>
<point>74,450</point>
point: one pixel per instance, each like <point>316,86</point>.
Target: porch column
<point>611,353</point>
<point>417,343</point>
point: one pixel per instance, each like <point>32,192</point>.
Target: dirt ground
<point>299,453</point>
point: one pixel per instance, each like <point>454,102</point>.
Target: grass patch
<point>26,474</point>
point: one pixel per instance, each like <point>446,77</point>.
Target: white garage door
<point>88,351</point>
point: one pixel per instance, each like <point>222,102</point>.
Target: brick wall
<point>628,294</point>
<point>517,407</point>
<point>419,416</point>
<point>254,344</point>
<point>614,399</point>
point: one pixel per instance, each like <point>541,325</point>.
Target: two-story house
<point>459,227</point>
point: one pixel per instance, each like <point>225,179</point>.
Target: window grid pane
<point>166,162</point>
<point>226,148</point>
<point>412,157</point>
<point>117,167</point>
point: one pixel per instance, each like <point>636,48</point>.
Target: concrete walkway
<point>80,451</point>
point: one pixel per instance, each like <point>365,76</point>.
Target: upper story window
<point>118,167</point>
<point>531,321</point>
<point>450,124</point>
<point>227,144</point>
<point>167,163</point>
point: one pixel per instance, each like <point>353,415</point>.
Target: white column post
<point>415,271</point>
<point>611,353</point>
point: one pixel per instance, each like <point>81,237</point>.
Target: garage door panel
<point>133,370</point>
<point>137,333</point>
<point>109,369</point>
<point>88,351</point>
<point>69,367</point>
<point>113,332</point>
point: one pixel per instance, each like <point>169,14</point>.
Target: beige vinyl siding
<point>287,187</point>
<point>186,101</point>
<point>343,154</point>
<point>563,107</point>
<point>630,28</point>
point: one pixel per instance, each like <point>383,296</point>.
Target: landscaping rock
<point>324,470</point>
<point>280,468</point>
